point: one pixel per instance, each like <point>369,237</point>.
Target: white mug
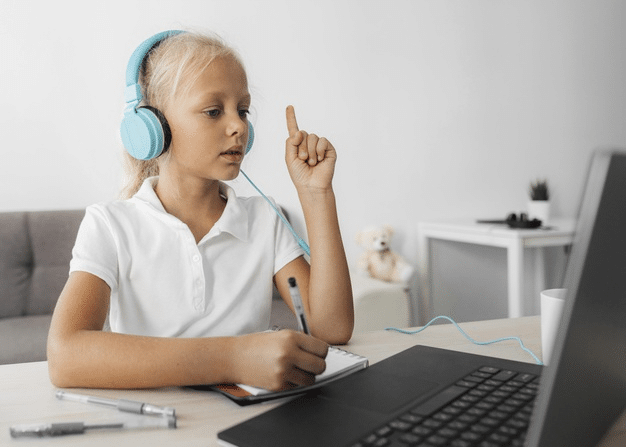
<point>552,302</point>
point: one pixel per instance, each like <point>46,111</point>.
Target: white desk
<point>27,396</point>
<point>515,241</point>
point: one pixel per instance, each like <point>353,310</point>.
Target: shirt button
<point>196,258</point>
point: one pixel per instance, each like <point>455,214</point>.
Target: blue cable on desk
<point>416,331</point>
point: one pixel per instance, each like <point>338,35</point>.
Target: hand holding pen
<point>279,360</point>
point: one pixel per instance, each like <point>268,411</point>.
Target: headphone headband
<point>133,90</point>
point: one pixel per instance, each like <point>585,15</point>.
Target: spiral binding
<point>346,353</point>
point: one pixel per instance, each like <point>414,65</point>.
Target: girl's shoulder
<point>118,213</point>
<point>113,207</point>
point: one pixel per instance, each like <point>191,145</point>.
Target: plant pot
<point>539,209</point>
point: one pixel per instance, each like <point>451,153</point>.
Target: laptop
<point>435,397</point>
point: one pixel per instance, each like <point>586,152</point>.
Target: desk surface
<point>497,234</point>
<point>27,396</point>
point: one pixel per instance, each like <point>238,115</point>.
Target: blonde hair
<point>170,70</point>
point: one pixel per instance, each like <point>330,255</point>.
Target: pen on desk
<point>129,406</point>
<point>77,428</point>
<point>296,299</point>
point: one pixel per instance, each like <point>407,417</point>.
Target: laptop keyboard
<point>490,407</point>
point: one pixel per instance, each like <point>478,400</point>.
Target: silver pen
<point>296,299</point>
<point>76,428</point>
<point>129,406</point>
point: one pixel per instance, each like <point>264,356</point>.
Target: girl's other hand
<point>279,360</point>
<point>310,159</point>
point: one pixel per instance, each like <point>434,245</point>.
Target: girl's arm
<point>80,354</point>
<point>325,286</point>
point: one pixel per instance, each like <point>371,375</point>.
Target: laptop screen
<point>583,390</point>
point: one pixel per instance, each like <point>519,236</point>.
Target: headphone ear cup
<point>250,137</point>
<point>165,127</point>
<point>143,133</point>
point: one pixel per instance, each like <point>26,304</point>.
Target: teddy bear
<point>379,261</point>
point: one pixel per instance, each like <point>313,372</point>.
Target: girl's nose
<point>237,125</point>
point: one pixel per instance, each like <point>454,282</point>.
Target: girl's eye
<point>213,113</point>
<point>244,112</point>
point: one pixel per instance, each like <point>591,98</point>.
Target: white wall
<point>438,109</point>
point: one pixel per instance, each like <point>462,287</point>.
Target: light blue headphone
<point>144,130</point>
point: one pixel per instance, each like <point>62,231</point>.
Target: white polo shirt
<point>164,284</point>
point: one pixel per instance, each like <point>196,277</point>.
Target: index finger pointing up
<point>292,124</point>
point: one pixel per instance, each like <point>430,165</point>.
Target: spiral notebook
<point>339,364</point>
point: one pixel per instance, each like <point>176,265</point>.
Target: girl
<point>182,271</point>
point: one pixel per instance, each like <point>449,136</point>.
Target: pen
<point>77,428</point>
<point>129,406</point>
<point>296,299</point>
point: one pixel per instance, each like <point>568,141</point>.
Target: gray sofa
<point>35,251</point>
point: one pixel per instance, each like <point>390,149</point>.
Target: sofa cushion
<point>15,264</point>
<point>52,234</point>
<point>35,252</point>
<point>24,339</point>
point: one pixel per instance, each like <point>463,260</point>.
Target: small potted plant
<point>539,204</point>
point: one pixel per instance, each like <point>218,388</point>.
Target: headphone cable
<point>300,241</point>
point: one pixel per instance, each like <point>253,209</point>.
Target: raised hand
<point>310,159</point>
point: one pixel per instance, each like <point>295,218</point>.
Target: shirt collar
<point>147,194</point>
<point>234,219</point>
